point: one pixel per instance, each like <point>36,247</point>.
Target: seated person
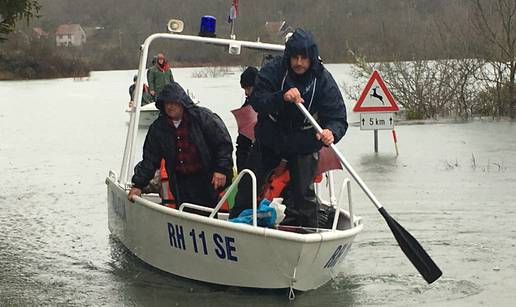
<point>146,97</point>
<point>196,147</point>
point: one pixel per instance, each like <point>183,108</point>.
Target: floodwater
<point>453,186</point>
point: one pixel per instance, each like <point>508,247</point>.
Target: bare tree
<point>13,10</point>
<point>456,41</point>
<point>426,89</point>
<point>495,21</point>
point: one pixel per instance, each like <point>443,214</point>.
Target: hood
<point>174,92</point>
<point>248,77</point>
<point>302,42</point>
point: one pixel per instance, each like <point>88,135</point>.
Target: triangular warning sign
<point>376,97</point>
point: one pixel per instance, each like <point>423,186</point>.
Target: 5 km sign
<point>376,121</point>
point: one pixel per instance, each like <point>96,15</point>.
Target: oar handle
<point>343,160</point>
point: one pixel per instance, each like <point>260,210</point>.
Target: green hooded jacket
<point>158,77</point>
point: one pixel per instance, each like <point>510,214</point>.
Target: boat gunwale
<point>262,231</point>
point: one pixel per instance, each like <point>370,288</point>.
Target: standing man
<point>243,143</point>
<point>159,75</point>
<point>282,132</point>
<point>196,146</point>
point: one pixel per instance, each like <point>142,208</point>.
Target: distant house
<point>70,35</point>
<point>39,33</point>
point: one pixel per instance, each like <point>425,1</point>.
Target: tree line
<point>379,29</point>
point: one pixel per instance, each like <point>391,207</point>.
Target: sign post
<point>376,106</point>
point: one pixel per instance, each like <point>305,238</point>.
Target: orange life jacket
<point>277,182</point>
<point>167,198</point>
<point>318,178</point>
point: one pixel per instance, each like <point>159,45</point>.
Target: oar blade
<point>412,249</point>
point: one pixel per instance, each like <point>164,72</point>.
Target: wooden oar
<point>409,245</point>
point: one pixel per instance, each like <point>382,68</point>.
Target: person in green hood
<point>159,75</point>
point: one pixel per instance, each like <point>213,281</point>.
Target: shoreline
<point>10,76</point>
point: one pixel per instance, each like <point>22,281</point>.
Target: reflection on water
<point>393,289</point>
<point>138,278</point>
<point>379,163</point>
<point>452,186</point>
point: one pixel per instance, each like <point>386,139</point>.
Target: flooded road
<point>453,187</point>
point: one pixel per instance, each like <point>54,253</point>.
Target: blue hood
<point>303,43</point>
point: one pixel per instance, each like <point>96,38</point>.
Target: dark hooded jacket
<point>281,126</point>
<point>205,129</point>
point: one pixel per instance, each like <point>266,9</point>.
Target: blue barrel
<point>208,26</point>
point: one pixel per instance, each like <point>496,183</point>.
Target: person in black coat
<point>282,131</point>
<point>196,146</point>
<point>243,143</point>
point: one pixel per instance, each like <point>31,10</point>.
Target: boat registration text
<point>199,241</point>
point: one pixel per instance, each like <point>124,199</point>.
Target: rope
<point>291,294</point>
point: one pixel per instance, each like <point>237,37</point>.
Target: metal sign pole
<point>375,141</point>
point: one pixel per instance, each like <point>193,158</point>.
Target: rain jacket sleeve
<point>144,171</point>
<point>267,96</point>
<point>131,91</point>
<point>151,78</point>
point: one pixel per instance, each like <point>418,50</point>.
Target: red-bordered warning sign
<point>376,97</point>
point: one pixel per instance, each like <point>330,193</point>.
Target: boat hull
<point>222,252</point>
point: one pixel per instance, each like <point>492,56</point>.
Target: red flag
<point>246,120</point>
<point>233,11</point>
<point>328,161</point>
<point>235,4</point>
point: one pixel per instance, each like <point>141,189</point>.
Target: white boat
<point>210,248</point>
<point>221,252</point>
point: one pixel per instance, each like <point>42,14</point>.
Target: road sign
<point>376,97</point>
<point>376,121</point>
